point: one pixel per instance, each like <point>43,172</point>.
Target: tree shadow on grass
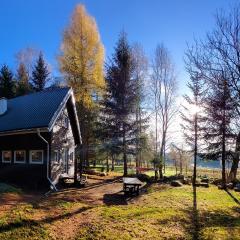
<point>232,196</point>
<point>212,219</point>
<point>217,218</point>
<point>115,199</point>
<point>195,216</point>
<point>33,223</point>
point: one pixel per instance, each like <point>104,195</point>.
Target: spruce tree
<point>7,83</point>
<point>220,112</point>
<point>106,130</point>
<point>40,74</point>
<point>122,97</point>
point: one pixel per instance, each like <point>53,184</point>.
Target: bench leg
<point>137,190</point>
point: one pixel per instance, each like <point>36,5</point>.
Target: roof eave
<point>24,131</point>
<point>58,112</point>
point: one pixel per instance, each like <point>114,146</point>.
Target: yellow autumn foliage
<point>82,57</point>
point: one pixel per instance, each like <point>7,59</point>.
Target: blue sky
<point>39,24</point>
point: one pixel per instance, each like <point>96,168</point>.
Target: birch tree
<point>140,75</point>
<point>164,91</point>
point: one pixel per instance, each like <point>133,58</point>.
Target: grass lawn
<point>169,214</point>
<point>162,212</point>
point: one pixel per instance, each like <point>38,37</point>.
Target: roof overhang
<point>23,131</point>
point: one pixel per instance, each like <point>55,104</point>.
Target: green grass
<point>162,212</point>
<point>18,224</point>
<point>169,214</point>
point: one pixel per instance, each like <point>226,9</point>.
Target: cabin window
<point>71,157</point>
<point>65,154</point>
<point>19,156</point>
<point>6,156</point>
<point>36,156</point>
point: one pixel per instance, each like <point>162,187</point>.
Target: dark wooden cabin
<point>38,136</point>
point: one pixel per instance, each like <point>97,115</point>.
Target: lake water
<point>207,164</point>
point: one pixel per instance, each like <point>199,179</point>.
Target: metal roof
<point>35,110</point>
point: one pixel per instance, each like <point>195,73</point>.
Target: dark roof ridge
<point>39,92</point>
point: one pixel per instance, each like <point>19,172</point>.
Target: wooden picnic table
<point>131,185</point>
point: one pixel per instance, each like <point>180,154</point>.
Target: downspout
<point>50,181</point>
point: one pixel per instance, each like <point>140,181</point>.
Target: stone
<point>230,185</point>
<point>217,181</point>
<point>237,187</point>
<point>186,181</point>
<point>176,183</point>
<point>102,174</point>
<point>205,180</point>
<point>202,184</point>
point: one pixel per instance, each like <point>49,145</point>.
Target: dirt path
<point>94,192</point>
<point>92,196</point>
<point>64,222</point>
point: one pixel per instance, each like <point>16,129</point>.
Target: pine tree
<point>219,115</point>
<point>40,74</point>
<point>7,83</point>
<point>23,85</point>
<point>122,100</point>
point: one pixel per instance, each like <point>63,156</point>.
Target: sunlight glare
<point>194,109</point>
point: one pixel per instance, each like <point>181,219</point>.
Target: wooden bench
<point>131,185</point>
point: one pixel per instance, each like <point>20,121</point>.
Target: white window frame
<point>15,161</point>
<point>30,156</point>
<point>3,161</point>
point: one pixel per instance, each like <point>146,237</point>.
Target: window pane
<point>56,156</point>
<point>37,156</point>
<point>71,157</point>
<point>20,156</point>
<point>7,156</point>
